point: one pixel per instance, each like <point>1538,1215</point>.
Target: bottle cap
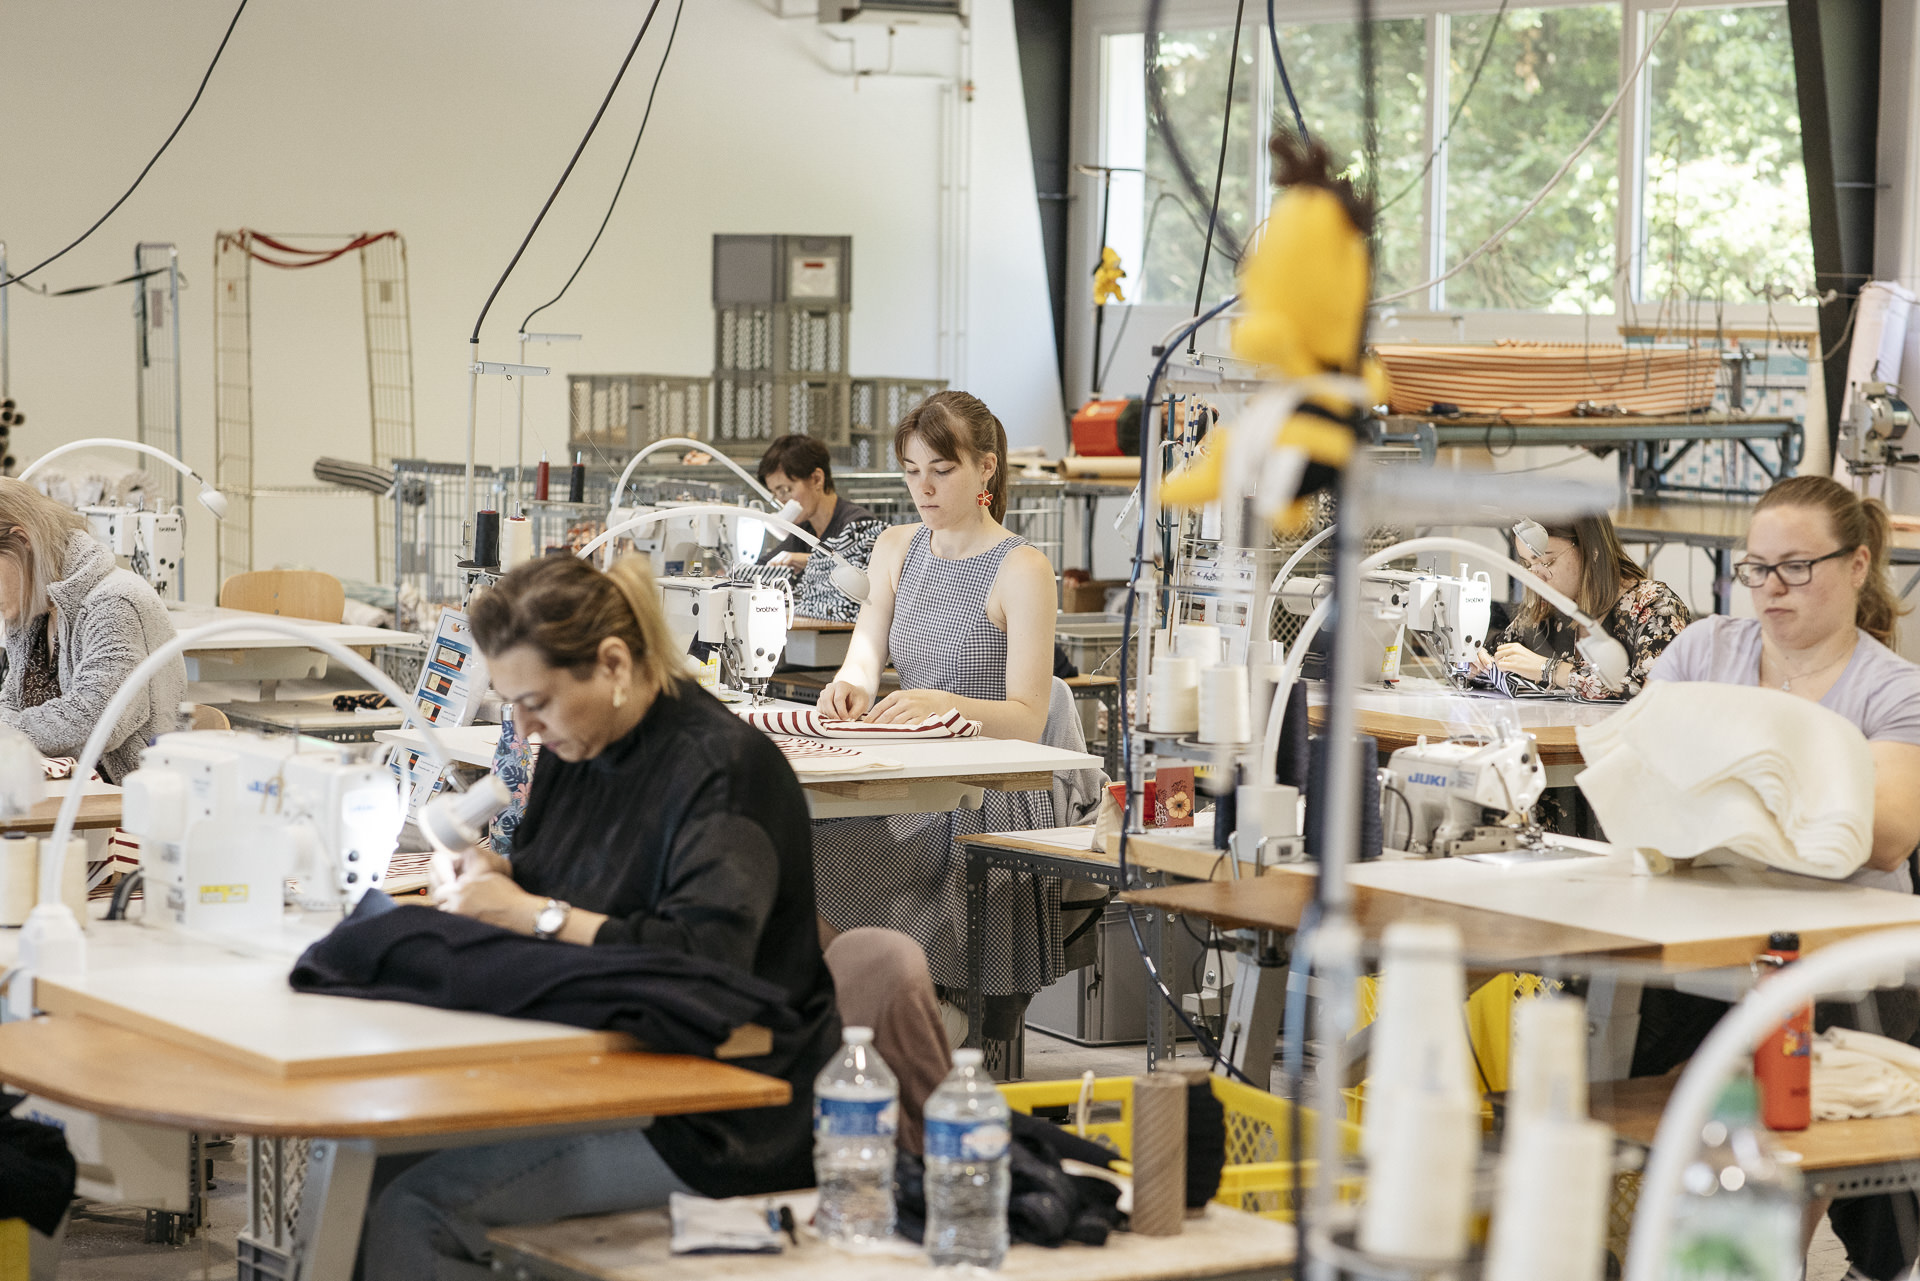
<point>1783,941</point>
<point>968,1058</point>
<point>857,1035</point>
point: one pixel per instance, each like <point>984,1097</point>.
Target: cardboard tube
<point>19,877</point>
<point>1159,1154</point>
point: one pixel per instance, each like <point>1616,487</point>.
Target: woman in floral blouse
<point>1583,559</point>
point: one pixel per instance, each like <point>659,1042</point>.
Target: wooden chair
<point>205,717</point>
<point>292,593</point>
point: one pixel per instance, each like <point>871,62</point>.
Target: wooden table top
<point>1633,1109</point>
<point>116,1072</point>
<point>1393,731</point>
<point>800,624</point>
<point>1276,902</point>
<point>634,1247</point>
<point>99,807</point>
<point>1708,524</point>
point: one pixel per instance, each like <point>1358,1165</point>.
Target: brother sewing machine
<point>1452,612</point>
<point>740,625</point>
<point>150,542</point>
<point>1463,797</point>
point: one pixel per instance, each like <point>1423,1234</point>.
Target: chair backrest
<point>205,717</point>
<point>292,593</point>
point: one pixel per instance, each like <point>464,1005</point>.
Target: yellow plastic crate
<point>1257,1178</point>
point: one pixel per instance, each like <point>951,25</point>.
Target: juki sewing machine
<point>739,628</point>
<point>1463,797</point>
<point>1452,612</point>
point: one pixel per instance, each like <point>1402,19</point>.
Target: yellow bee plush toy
<point>1304,290</point>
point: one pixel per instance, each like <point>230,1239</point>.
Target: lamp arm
<point>101,442</point>
<point>668,513</point>
<point>136,682</point>
<point>686,443</point>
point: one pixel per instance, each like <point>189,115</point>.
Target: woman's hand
<point>911,706</point>
<point>448,866</point>
<point>1481,663</point>
<point>792,560</point>
<point>845,701</point>
<point>494,898</point>
<point>1521,661</point>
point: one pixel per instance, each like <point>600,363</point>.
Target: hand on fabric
<point>1521,661</point>
<point>1482,662</point>
<point>492,897</point>
<point>844,701</point>
<point>910,706</point>
<point>792,560</point>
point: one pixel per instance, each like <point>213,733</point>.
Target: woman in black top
<point>657,818</point>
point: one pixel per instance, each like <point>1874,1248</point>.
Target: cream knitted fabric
<point>1692,767</point>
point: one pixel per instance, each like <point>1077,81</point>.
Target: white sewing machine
<point>149,542</point>
<point>1463,797</point>
<point>745,624</point>
<point>225,818</point>
<point>1876,432</point>
<point>681,546</point>
<point>1453,612</point>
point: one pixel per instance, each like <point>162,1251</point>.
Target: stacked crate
<point>878,406</point>
<point>612,415</point>
<point>781,307</point>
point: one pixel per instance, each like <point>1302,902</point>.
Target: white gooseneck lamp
<point>210,498</point>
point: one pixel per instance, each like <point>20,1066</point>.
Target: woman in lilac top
<point>1816,562</point>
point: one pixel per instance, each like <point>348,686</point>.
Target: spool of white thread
<point>19,877</point>
<point>1224,713</point>
<point>73,876</point>
<point>1550,1216</point>
<point>1173,697</point>
<point>516,541</point>
<point>1200,641</point>
<point>1420,1182</point>
<point>1419,1039</point>
<point>1548,1080</point>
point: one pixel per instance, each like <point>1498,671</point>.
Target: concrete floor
<point>104,1245</point>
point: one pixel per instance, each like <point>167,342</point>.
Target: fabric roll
<point>1159,1153</point>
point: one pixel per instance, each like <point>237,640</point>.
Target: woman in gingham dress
<point>964,610</point>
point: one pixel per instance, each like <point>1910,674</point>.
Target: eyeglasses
<point>1793,573</point>
<point>1545,564</point>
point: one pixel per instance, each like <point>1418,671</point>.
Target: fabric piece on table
<point>1860,1074</point>
<point>1693,767</point>
<point>812,756</point>
<point>809,723</point>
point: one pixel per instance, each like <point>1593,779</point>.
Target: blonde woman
<point>76,626</point>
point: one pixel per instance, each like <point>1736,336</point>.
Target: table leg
<point>1723,580</point>
<point>1159,1017</point>
<point>1613,1023</point>
<point>976,944</point>
<point>333,1204</point>
<point>1086,533</point>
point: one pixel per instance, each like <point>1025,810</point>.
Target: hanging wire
<point>1219,171</point>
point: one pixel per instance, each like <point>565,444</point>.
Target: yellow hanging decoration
<point>1106,279</point>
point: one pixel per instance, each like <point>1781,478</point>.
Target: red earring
<point>984,498</point>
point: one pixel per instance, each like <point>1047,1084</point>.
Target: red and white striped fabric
<point>812,756</point>
<point>808,723</point>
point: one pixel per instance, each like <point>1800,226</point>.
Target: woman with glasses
<point>1816,564</point>
<point>798,469</point>
<point>1583,559</point>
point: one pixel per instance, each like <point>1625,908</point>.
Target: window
<point>1723,197</point>
<point>1696,190</point>
<point>1549,74</point>
<point>1323,61</point>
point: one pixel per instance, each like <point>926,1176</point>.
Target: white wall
<point>450,122</point>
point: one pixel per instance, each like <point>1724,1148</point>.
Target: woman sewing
<point>964,610</point>
<point>656,817</point>
<point>1816,565</point>
<point>1583,559</point>
<point>798,469</point>
<point>76,626</point>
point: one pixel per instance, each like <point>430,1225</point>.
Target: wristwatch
<point>552,919</point>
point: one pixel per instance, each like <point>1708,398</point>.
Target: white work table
<point>929,777</point>
<point>262,654</point>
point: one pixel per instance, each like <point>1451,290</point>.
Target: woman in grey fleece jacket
<point>59,583</point>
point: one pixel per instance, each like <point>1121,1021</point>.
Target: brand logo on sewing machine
<point>1431,780</point>
<point>265,786</point>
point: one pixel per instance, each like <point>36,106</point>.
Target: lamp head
<point>850,579</point>
<point>213,500</point>
<point>792,512</point>
<point>1532,535</point>
<point>1608,656</point>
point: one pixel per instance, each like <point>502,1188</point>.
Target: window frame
<point>1431,319</point>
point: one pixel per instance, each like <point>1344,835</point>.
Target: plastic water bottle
<point>1738,1216</point>
<point>856,1112</point>
<point>967,1168</point>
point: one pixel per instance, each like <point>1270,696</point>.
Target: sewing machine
<point>738,628</point>
<point>1875,432</point>
<point>225,818</point>
<point>150,542</point>
<point>1453,612</point>
<point>1452,789</point>
<point>681,546</point>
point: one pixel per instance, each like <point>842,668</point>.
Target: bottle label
<point>855,1117</point>
<point>967,1140</point>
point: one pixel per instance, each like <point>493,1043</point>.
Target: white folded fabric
<point>808,723</point>
<point>1690,767</point>
<point>1859,1074</point>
